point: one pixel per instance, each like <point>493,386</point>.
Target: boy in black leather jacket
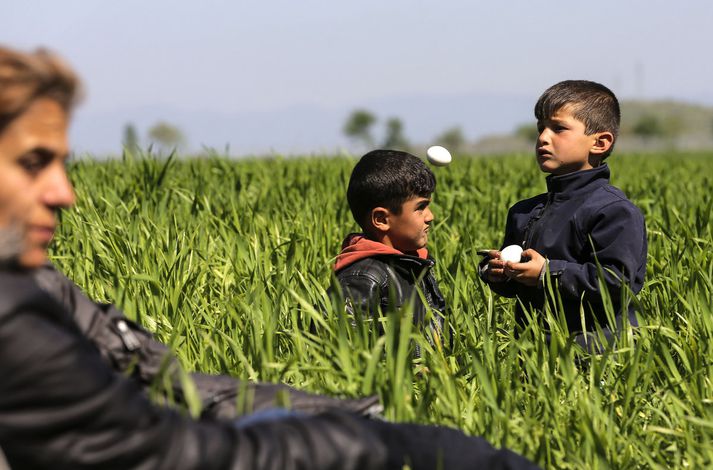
<point>387,265</point>
<point>583,229</point>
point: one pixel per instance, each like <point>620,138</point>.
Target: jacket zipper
<point>530,231</point>
<point>131,342</point>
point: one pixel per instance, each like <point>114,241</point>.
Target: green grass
<point>226,261</point>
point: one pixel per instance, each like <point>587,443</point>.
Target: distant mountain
<point>645,126</point>
<point>487,121</point>
<point>679,125</point>
<point>306,128</point>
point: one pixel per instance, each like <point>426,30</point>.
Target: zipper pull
<point>128,337</point>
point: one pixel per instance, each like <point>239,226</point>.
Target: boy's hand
<point>527,273</point>
<point>495,272</point>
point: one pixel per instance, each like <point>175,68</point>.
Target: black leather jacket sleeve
<point>432,447</point>
<point>127,347</point>
<point>61,406</point>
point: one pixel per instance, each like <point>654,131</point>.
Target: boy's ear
<point>602,143</point>
<point>379,218</point>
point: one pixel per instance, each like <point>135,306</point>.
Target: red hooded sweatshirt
<point>356,247</point>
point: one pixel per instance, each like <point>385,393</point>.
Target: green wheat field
<point>228,262</point>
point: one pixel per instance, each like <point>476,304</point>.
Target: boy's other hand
<point>495,268</point>
<point>528,272</point>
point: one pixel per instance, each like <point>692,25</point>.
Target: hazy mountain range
<point>317,129</point>
<point>305,128</point>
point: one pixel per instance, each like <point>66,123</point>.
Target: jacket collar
<point>573,182</point>
<point>412,265</point>
<point>356,247</point>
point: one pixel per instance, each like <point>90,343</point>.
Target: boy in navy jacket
<point>580,225</point>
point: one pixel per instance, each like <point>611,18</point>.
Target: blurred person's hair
<point>27,76</point>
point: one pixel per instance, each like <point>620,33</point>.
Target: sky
<point>283,75</point>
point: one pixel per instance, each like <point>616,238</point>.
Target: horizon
<point>282,77</point>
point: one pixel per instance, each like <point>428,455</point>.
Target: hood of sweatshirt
<point>356,247</point>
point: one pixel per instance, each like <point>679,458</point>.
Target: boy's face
<point>408,231</point>
<point>563,146</point>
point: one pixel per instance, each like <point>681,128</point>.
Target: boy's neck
<point>379,238</point>
<point>383,239</point>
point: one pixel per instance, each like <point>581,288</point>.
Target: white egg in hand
<point>439,156</point>
<point>512,253</point>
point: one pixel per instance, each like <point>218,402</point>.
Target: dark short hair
<point>387,178</point>
<point>592,103</point>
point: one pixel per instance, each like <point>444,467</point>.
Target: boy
<point>382,268</point>
<point>581,221</point>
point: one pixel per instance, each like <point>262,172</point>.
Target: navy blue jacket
<point>580,221</point>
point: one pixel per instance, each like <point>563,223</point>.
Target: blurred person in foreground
<point>64,400</point>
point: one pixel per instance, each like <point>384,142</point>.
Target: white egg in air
<point>439,156</point>
<point>512,253</point>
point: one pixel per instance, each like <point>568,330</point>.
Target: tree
<point>673,126</point>
<point>452,139</point>
<point>648,126</point>
<point>395,138</point>
<point>527,132</point>
<point>168,136</point>
<point>358,126</point>
<point>131,139</point>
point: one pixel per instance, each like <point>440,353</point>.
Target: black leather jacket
<point>388,282</point>
<point>63,407</point>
